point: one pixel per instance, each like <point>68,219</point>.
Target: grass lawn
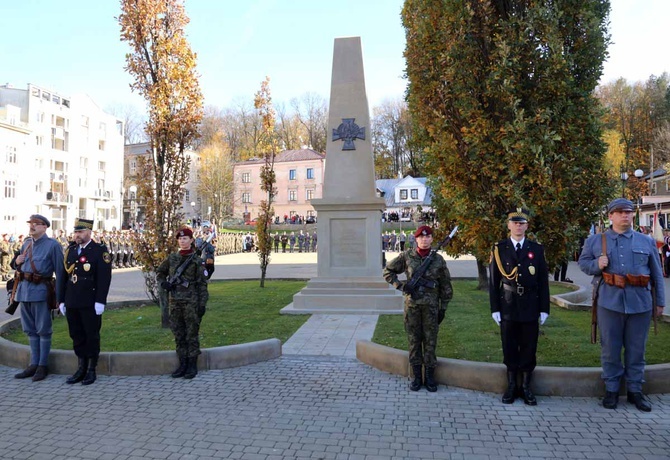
<point>237,312</point>
<point>468,332</point>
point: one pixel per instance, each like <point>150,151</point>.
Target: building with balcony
<point>63,159</point>
<point>299,176</point>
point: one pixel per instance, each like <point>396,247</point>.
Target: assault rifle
<point>176,280</point>
<point>416,285</point>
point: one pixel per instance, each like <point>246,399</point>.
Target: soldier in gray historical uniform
<point>39,259</point>
<point>425,311</point>
<point>187,300</point>
<point>301,241</point>
<point>314,238</point>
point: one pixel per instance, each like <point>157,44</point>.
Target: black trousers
<point>84,326</point>
<point>519,344</point>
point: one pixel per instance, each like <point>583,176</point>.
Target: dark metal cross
<point>348,131</point>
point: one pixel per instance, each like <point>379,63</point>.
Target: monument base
<point>354,296</point>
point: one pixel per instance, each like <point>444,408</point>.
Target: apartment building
<point>63,158</point>
<point>299,175</point>
<point>133,209</point>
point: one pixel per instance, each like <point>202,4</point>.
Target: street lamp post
<point>624,178</point>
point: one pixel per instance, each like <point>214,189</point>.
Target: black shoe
<point>191,368</point>
<point>181,370</point>
<point>40,373</point>
<point>640,401</point>
<point>27,372</point>
<point>81,372</point>
<point>430,382</point>
<point>510,394</point>
<point>417,382</point>
<point>90,374</point>
<point>528,396</point>
<point>611,399</point>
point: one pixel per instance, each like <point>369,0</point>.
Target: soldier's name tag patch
<point>106,257</point>
<point>531,270</point>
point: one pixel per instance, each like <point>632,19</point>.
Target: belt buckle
<point>519,289</point>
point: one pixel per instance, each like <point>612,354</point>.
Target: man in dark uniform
<point>83,297</point>
<point>519,296</point>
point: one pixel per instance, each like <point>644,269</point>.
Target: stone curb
<point>490,377</point>
<point>141,362</point>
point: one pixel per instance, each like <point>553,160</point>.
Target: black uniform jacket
<point>521,300</point>
<point>89,277</point>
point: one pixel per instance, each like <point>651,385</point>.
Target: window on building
<point>403,194</point>
<point>414,193</point>
<point>246,178</point>
<point>187,196</point>
<point>10,188</point>
<point>101,145</point>
<point>10,156</point>
<point>46,96</point>
<point>310,173</point>
<point>292,174</point>
<point>293,195</point>
<point>119,127</point>
<point>309,194</point>
<point>133,166</point>
<point>246,197</point>
<point>101,165</point>
<point>56,100</point>
<point>35,92</point>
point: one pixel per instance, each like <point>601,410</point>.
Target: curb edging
<point>492,378</point>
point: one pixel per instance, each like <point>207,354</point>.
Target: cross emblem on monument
<point>348,131</point>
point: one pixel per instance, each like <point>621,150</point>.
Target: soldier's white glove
<point>543,317</point>
<point>496,317</point>
<point>99,308</point>
<point>61,307</point>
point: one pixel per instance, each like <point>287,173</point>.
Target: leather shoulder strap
<point>604,244</point>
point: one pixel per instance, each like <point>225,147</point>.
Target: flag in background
<point>657,231</point>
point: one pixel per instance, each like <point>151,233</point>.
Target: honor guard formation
<point>72,275</point>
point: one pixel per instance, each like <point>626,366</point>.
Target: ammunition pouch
<point>620,281</point>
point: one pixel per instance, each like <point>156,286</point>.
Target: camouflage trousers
<point>185,326</point>
<point>422,328</point>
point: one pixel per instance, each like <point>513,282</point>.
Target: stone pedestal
<point>349,271</point>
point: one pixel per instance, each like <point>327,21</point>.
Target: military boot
<point>191,368</point>
<point>430,381</point>
<point>510,394</point>
<point>27,372</point>
<point>79,375</point>
<point>528,396</point>
<point>417,382</point>
<point>90,373</point>
<point>181,370</point>
<point>40,373</point>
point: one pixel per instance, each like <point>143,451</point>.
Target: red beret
<point>185,232</point>
<point>423,230</point>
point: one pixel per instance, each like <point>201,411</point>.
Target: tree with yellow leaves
<point>163,67</point>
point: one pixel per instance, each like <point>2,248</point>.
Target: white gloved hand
<point>61,307</point>
<point>543,317</point>
<point>667,253</point>
<point>496,317</point>
<point>99,308</point>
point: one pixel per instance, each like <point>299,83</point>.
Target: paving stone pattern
<point>297,407</point>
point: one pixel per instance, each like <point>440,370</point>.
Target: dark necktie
<point>518,248</point>
<point>78,250</point>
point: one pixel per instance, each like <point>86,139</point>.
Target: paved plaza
<point>316,401</point>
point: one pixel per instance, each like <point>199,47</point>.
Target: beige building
<point>299,175</point>
<point>133,209</point>
<point>62,158</point>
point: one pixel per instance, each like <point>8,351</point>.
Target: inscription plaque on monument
<point>347,247</point>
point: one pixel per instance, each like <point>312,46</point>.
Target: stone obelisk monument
<point>349,272</point>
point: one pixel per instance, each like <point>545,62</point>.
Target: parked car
<point>310,220</point>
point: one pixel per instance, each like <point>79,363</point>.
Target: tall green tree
<point>163,67</point>
<point>269,146</point>
<point>502,93</point>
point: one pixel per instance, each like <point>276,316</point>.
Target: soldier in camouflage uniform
<point>423,314</point>
<point>5,257</point>
<point>187,301</point>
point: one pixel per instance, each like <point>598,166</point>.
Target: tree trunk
<point>482,276</point>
